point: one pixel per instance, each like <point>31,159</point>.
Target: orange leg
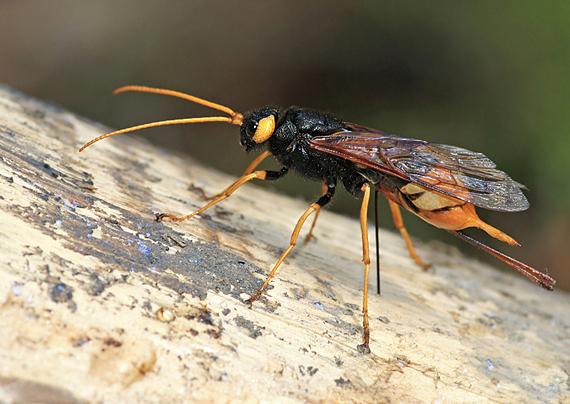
<point>262,175</point>
<point>315,207</point>
<point>399,223</point>
<point>310,234</point>
<point>365,347</point>
<point>247,171</point>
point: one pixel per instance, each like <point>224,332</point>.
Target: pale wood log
<point>100,303</point>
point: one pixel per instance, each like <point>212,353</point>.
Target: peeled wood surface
<point>89,280</point>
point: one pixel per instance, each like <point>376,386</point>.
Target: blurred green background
<point>489,76</point>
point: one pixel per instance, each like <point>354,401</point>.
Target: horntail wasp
<point>439,183</point>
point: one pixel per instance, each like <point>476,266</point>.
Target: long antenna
<point>235,118</point>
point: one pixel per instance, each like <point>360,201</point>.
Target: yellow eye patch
<point>265,129</point>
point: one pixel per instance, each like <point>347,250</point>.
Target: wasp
<point>441,184</point>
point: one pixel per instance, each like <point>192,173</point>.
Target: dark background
<point>485,75</point>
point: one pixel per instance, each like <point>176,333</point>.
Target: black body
<point>289,144</point>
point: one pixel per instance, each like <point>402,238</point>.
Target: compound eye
<point>251,128</point>
<point>264,129</point>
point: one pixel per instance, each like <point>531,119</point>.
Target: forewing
<point>450,170</point>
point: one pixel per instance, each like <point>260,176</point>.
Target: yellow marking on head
<point>265,129</point>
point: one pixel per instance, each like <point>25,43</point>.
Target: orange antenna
<point>235,118</point>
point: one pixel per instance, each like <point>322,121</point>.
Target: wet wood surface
<point>101,303</point>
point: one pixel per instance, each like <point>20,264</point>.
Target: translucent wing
<point>450,170</point>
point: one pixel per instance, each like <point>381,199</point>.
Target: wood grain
<point>100,303</point>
